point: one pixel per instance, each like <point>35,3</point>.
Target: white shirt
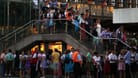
<point>43,56</point>
<point>99,29</point>
<point>62,57</point>
<point>21,56</point>
<point>120,57</point>
<point>50,15</point>
<point>136,58</point>
<point>97,59</point>
<point>2,56</point>
<point>112,57</point>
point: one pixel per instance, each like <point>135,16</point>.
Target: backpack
<point>9,57</point>
<point>67,59</point>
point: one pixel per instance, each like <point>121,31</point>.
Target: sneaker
<point>5,74</point>
<point>9,74</point>
<point>42,77</point>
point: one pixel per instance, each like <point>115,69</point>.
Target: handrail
<point>21,28</point>
<point>118,40</point>
<point>124,43</point>
<point>86,31</point>
<point>16,30</point>
<point>105,38</point>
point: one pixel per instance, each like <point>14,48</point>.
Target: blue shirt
<point>127,57</point>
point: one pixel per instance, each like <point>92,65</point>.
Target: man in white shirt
<point>98,27</point>
<point>97,62</point>
<point>113,63</point>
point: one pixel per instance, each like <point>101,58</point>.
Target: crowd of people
<point>64,15</point>
<point>69,64</point>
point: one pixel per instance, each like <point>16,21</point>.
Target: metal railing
<point>60,26</point>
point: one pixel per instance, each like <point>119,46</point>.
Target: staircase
<point>25,35</point>
<point>36,30</point>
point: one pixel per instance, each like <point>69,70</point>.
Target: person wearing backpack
<point>68,64</point>
<point>9,57</point>
<point>77,60</point>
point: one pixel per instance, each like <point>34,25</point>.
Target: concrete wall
<point>64,37</point>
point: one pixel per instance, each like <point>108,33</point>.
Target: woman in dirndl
<point>106,67</point>
<point>43,64</point>
<point>121,64</point>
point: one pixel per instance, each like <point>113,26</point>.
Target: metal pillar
<point>8,14</point>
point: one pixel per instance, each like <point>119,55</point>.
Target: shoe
<point>42,77</point>
<point>5,74</point>
<point>9,74</point>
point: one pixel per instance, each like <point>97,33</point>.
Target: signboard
<point>128,15</point>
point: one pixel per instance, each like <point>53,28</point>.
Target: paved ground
<point>49,76</point>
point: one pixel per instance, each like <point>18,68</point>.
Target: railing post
<point>80,35</point>
<point>54,28</point>
<point>15,41</point>
<point>8,15</point>
<point>66,28</point>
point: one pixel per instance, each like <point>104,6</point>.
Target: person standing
<point>127,58</point>
<point>83,22</point>
<point>55,62</point>
<point>113,63</point>
<point>98,27</point>
<point>133,62</point>
<point>9,57</point>
<point>2,63</point>
<point>97,64</point>
<point>22,64</point>
<point>43,64</point>
<point>121,64</point>
<point>68,64</point>
<point>28,64</point>
<point>77,60</point>
<point>90,65</point>
<point>33,62</point>
<point>106,67</point>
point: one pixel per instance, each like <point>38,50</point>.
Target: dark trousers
<point>128,71</point>
<point>33,71</point>
<point>77,70</point>
<point>9,67</point>
<point>2,69</point>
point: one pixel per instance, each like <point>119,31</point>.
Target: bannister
<point>60,26</point>
<point>21,27</point>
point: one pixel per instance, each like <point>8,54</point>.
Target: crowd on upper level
<point>64,15</point>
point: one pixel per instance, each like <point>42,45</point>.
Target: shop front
<point>44,46</point>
